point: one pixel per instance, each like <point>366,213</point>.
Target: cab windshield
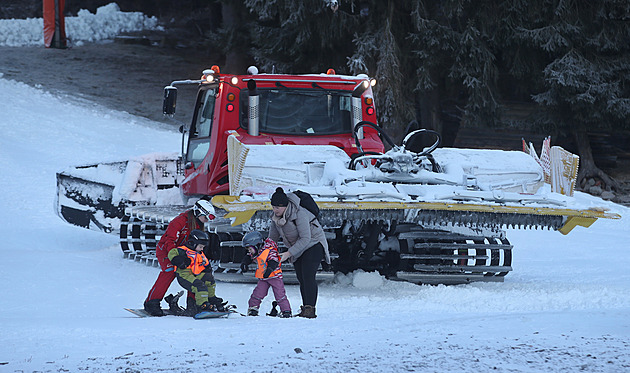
<point>201,129</point>
<point>301,111</point>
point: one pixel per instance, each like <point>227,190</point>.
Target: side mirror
<point>170,100</point>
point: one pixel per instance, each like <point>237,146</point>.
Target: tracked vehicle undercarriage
<point>433,247</point>
<point>421,253</point>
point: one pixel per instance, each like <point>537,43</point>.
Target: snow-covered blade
<point>95,196</point>
<point>251,167</point>
<point>329,172</point>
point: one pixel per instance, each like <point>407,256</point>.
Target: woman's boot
<point>307,312</point>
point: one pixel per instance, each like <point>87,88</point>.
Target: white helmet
<point>204,207</point>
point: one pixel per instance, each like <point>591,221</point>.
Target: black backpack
<point>307,201</point>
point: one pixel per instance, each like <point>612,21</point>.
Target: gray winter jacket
<point>298,228</point>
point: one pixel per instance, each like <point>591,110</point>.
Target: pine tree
<point>569,57</point>
<point>300,36</point>
<point>421,55</point>
<point>584,83</point>
<point>349,36</point>
<point>461,60</point>
<point>382,51</point>
<point>233,37</point>
<point>455,43</point>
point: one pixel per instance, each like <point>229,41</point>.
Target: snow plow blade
<point>466,214</point>
<point>95,196</point>
<point>87,204</point>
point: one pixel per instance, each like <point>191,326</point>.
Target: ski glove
<point>271,266</point>
<point>181,261</point>
<point>247,260</point>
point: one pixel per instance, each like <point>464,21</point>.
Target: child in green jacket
<point>194,272</point>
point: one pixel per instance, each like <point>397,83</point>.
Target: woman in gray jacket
<point>302,233</point>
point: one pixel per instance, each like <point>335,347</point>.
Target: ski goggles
<point>199,211</point>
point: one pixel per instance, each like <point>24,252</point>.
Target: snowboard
<point>140,312</point>
<point>211,315</point>
<point>176,310</point>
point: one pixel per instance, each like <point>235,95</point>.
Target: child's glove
<point>271,266</point>
<point>181,261</point>
<point>247,260</point>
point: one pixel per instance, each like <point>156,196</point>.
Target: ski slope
<point>564,308</point>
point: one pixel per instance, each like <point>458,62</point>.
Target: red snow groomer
<point>422,214</point>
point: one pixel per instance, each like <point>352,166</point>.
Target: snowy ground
<point>564,308</point>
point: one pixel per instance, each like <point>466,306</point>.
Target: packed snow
<point>107,22</point>
<point>564,308</point>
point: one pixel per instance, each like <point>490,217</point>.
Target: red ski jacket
<point>176,235</point>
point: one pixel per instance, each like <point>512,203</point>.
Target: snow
<point>107,22</point>
<point>564,308</point>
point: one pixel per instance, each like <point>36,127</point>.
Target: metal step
<point>444,278</point>
<point>459,246</point>
<point>444,257</point>
<point>231,244</point>
<point>435,235</point>
<point>460,269</point>
<point>155,214</point>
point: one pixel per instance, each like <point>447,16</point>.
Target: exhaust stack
<point>254,100</point>
<point>357,113</point>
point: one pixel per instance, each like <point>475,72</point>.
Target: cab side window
<point>199,142</point>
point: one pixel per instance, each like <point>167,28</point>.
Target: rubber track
<point>433,256</point>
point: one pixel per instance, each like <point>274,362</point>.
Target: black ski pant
<point>305,269</point>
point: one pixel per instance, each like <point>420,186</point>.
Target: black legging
<point>305,269</point>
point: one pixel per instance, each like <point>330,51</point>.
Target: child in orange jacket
<point>194,272</point>
<point>268,273</point>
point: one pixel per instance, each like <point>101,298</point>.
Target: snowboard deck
<point>211,315</point>
<point>140,312</point>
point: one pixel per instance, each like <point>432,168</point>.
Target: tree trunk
<point>430,111</point>
<point>236,58</point>
<point>588,169</point>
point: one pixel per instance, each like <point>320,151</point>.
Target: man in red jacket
<point>176,235</point>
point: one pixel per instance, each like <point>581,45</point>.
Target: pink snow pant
<point>262,288</point>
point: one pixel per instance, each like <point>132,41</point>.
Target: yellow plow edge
<point>242,211</point>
